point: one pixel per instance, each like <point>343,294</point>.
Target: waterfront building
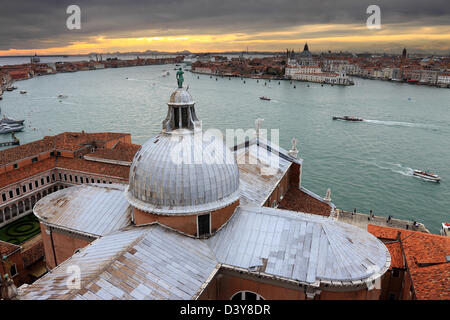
<point>206,229</point>
<point>444,79</point>
<point>420,264</point>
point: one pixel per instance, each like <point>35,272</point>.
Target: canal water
<point>367,165</point>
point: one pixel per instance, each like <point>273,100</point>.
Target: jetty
<point>14,142</point>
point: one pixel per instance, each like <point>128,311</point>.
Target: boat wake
<point>399,123</point>
<point>395,167</point>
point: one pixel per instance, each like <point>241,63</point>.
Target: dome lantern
<point>181,178</point>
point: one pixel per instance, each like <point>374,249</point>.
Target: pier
<point>14,142</point>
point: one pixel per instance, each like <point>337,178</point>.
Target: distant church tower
<point>305,48</point>
<point>404,54</point>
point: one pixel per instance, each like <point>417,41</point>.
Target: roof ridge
<point>111,261</point>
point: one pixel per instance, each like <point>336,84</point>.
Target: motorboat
<point>445,230</point>
<point>8,128</point>
<point>6,120</point>
<point>265,98</point>
<point>11,88</point>
<point>62,96</point>
<point>427,175</point>
<point>23,91</point>
<point>348,118</point>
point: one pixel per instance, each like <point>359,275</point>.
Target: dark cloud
<point>42,24</point>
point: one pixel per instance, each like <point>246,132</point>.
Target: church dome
<point>182,171</point>
<point>181,96</point>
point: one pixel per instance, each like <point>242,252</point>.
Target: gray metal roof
<point>94,209</point>
<point>260,171</point>
<point>154,262</point>
<point>141,263</point>
<point>178,174</point>
<point>302,247</point>
<point>181,97</point>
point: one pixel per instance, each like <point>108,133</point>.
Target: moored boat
<point>348,118</point>
<point>445,230</point>
<point>6,120</point>
<point>8,128</point>
<point>427,175</point>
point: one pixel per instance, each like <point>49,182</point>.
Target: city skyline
<point>218,27</point>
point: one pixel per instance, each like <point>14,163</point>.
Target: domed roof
<point>178,174</point>
<point>181,97</point>
<point>183,171</point>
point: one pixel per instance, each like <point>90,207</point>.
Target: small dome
<point>177,174</point>
<point>181,97</point>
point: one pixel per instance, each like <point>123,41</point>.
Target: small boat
<point>427,175</point>
<point>23,91</point>
<point>6,120</point>
<point>11,88</point>
<point>265,98</point>
<point>445,230</point>
<point>347,118</point>
<point>8,128</point>
<point>62,96</point>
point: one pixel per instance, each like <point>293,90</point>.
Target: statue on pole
<point>180,78</point>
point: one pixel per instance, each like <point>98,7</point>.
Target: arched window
<point>27,204</point>
<point>21,207</point>
<point>14,210</point>
<point>246,295</point>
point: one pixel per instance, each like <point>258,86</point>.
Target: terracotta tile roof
<point>100,168</point>
<point>7,248</point>
<point>25,172</point>
<point>122,152</point>
<point>70,141</point>
<point>395,250</point>
<point>297,200</point>
<point>25,151</point>
<point>383,232</point>
<point>425,256</point>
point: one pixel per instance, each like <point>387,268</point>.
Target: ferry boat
<point>265,98</point>
<point>348,118</point>
<point>427,175</point>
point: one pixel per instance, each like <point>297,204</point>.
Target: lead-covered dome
<point>183,171</point>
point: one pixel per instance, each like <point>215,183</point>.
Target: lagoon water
<point>367,165</point>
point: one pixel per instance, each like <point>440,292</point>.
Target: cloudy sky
<point>223,25</point>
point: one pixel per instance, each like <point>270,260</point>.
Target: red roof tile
<point>7,248</point>
<point>426,261</point>
<point>396,253</point>
<point>121,152</point>
<point>70,141</point>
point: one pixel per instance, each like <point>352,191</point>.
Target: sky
<point>30,26</point>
